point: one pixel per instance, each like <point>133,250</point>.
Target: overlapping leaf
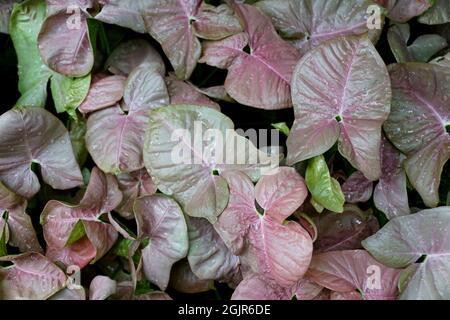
<point>260,78</point>
<point>422,49</point>
<point>307,23</point>
<point>357,188</point>
<point>20,228</point>
<point>275,250</point>
<point>403,240</point>
<point>161,220</point>
<point>176,24</point>
<point>74,233</point>
<point>351,270</point>
<point>390,194</point>
<point>115,136</point>
<point>31,277</point>
<point>64,42</point>
<point>343,231</point>
<point>182,158</point>
<point>417,123</point>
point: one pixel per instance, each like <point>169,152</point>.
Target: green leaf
<point>316,205</point>
<point>3,234</point>
<point>282,126</point>
<point>324,189</point>
<point>122,247</point>
<point>68,93</point>
<point>143,287</point>
<point>25,23</point>
<point>77,132</point>
<point>77,233</point>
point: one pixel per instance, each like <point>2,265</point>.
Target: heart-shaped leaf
<point>74,233</point>
<point>278,252</point>
<point>64,42</point>
<point>115,137</point>
<point>417,123</point>
<point>307,23</point>
<point>182,157</point>
<point>340,91</point>
<point>350,270</point>
<point>31,277</point>
<point>403,240</point>
<point>262,77</point>
<point>161,220</point>
<point>34,135</point>
<point>175,24</point>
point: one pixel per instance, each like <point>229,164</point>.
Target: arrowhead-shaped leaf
<point>115,136</point>
<point>403,240</point>
<point>307,23</point>
<point>31,277</point>
<point>417,123</point>
<point>34,135</point>
<point>350,270</point>
<point>262,77</point>
<point>340,91</point>
<point>161,220</point>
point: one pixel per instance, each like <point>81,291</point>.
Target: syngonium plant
<point>90,181</point>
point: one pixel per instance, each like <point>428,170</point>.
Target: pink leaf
<point>114,138</point>
<point>357,188</point>
<point>104,92</point>
<point>345,271</point>
<point>59,221</point>
<point>101,287</point>
<point>256,288</point>
<point>390,195</point>
<point>31,277</point>
<point>417,123</point>
<point>344,231</point>
<point>277,252</point>
<point>133,185</point>
<point>262,77</point>
<point>66,51</point>
<point>34,135</point>
<point>182,92</point>
<point>131,54</point>
<point>161,220</point>
<point>340,92</point>
<point>281,192</point>
<point>308,23</point>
